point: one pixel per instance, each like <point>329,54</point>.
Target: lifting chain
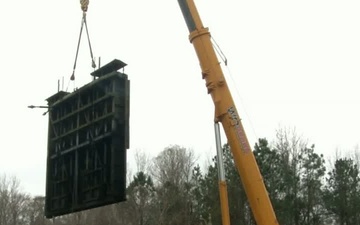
<point>84,7</point>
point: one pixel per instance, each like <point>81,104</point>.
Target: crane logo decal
<point>239,130</point>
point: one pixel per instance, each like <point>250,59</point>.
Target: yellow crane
<point>226,113</point>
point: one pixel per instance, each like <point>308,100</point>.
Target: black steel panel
<point>108,68</point>
<point>87,141</point>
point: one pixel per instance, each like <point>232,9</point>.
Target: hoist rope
<point>88,37</point>
<point>218,50</point>
<point>224,59</point>
<point>84,7</point>
<point>77,50</point>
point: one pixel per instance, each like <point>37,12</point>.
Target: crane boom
<point>226,113</point>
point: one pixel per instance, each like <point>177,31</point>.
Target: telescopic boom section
<point>226,113</point>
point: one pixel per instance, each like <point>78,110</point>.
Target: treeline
<point>172,189</point>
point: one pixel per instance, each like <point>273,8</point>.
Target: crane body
<point>227,114</point>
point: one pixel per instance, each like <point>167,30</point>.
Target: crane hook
<point>84,5</point>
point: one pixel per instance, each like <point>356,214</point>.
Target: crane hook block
<point>84,5</point>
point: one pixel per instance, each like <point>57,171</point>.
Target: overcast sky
<point>290,64</point>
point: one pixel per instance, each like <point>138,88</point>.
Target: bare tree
<point>13,202</point>
<point>172,171</point>
<point>174,165</point>
<point>122,214</point>
<point>142,161</point>
<point>289,145</point>
<point>303,171</point>
<point>35,211</point>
